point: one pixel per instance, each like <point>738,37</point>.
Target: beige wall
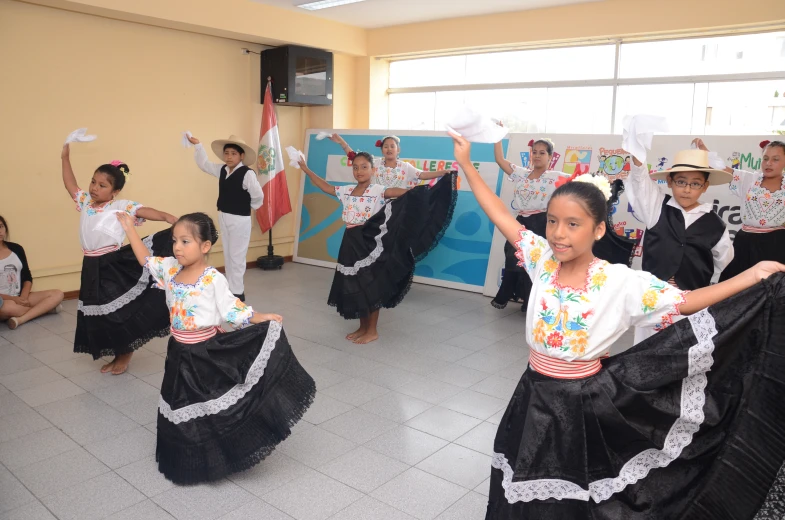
<point>137,87</point>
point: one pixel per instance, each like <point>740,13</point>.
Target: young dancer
<point>20,303</point>
<point>638,435</point>
<point>118,309</point>
<point>227,400</point>
<point>534,186</point>
<point>239,193</point>
<point>389,170</point>
<point>685,243</point>
<point>382,242</point>
<point>762,236</point>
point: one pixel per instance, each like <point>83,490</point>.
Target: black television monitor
<point>300,76</point>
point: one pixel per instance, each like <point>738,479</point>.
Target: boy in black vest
<point>685,242</point>
<point>239,193</point>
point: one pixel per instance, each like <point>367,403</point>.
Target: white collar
<point>701,208</point>
<point>240,164</point>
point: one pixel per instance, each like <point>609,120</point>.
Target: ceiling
<point>384,13</point>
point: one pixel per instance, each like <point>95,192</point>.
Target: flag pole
<point>271,261</point>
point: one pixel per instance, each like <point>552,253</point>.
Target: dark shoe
<point>240,297</point>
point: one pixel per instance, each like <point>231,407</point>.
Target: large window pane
<point>521,110</point>
<point>674,102</point>
<point>700,56</point>
<point>747,107</point>
<point>412,111</point>
<point>561,64</point>
<point>430,72</point>
<point>579,110</point>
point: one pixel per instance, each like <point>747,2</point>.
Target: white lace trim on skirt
<point>122,301</point>
<point>230,398</point>
<point>375,254</point>
<point>693,398</point>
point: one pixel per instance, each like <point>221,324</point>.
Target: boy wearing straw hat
<point>685,242</point>
<point>239,193</point>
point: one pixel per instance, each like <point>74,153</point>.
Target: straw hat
<point>250,153</point>
<point>694,160</point>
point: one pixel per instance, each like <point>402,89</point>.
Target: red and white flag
<point>270,161</point>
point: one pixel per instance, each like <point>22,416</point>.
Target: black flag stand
<point>270,261</point>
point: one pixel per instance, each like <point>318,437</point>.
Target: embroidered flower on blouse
<point>173,271</point>
<point>535,255</point>
<point>598,280</point>
<point>207,279</point>
<point>539,332</point>
<point>649,300</point>
<point>555,340</point>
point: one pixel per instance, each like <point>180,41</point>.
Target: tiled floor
<point>401,428</point>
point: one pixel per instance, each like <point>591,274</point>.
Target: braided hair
<point>203,226</point>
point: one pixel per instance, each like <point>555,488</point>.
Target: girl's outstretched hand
<point>193,140</point>
<point>763,270</point>
<point>125,220</point>
<point>271,317</point>
<point>461,148</point>
<point>699,144</point>
<point>66,153</point>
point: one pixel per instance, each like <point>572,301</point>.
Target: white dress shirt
<point>250,182</point>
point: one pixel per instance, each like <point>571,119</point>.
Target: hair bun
<point>764,144</point>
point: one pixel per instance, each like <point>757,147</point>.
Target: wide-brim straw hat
<point>692,161</point>
<point>250,153</point>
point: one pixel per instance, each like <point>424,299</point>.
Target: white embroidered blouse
<point>98,225</point>
<point>356,210</point>
<point>204,304</point>
<point>581,324</point>
<point>403,175</point>
<point>761,209</point>
<point>532,195</point>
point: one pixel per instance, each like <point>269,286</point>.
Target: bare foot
<point>366,338</point>
<point>121,364</point>
<point>108,367</point>
<point>13,323</point>
<point>356,334</point>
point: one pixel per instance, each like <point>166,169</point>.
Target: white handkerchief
<point>294,156</point>
<point>186,143</point>
<point>716,162</point>
<point>79,136</point>
<point>638,133</point>
<point>475,127</point>
<point>322,135</point>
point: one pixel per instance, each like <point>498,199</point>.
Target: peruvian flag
<point>270,161</point>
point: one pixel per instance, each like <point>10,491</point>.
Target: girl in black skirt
<point>227,400</point>
<point>688,424</point>
<point>118,309</point>
<point>762,235</point>
<point>383,241</point>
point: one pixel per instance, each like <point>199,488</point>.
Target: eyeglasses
<point>693,185</point>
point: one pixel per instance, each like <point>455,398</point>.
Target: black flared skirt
<point>516,284</point>
<point>227,402</point>
<point>751,248</point>
<point>120,308</point>
<point>688,424</point>
<point>376,260</point>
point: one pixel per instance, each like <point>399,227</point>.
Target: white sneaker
<point>56,310</point>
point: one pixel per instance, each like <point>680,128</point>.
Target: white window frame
<point>614,82</point>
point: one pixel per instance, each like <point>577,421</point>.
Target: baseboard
<point>73,295</point>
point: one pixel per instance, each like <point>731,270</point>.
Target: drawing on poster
<point>577,159</point>
<point>614,164</point>
<point>556,156</point>
<point>525,159</point>
<point>661,163</point>
<point>735,160</point>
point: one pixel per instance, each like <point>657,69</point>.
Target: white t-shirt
<point>10,275</point>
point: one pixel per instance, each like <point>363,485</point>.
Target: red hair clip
<point>378,143</point>
<point>351,155</point>
<point>764,144</point>
<point>562,180</point>
<point>531,143</point>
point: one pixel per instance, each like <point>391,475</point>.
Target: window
<point>717,85</point>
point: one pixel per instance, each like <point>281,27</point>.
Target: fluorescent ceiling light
<point>325,4</point>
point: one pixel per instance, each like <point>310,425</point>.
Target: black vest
<point>232,198</point>
<point>672,251</point>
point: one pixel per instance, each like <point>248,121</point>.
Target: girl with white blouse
<point>20,303</point>
<point>227,399</point>
<point>637,435</point>
<point>118,309</point>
